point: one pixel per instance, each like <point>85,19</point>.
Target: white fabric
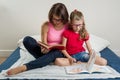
<point>56,72</point>
<point>98,43</point>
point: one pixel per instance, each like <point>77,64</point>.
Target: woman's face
<point>57,21</point>
<point>77,25</point>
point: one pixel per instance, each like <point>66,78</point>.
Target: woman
<point>51,34</point>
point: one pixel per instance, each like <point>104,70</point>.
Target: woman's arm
<point>44,30</point>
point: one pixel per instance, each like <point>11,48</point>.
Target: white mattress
<point>56,72</point>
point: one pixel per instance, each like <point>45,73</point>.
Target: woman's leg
<point>38,63</point>
<point>32,46</point>
<point>17,70</point>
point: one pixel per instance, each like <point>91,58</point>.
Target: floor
<point>2,59</point>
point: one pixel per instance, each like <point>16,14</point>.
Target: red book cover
<point>59,47</point>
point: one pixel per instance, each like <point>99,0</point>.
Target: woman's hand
<point>44,50</point>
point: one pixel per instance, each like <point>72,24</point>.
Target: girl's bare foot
<point>16,70</point>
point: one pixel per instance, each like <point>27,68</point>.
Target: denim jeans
<point>81,56</point>
<point>41,59</point>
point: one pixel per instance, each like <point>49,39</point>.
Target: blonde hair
<point>77,15</point>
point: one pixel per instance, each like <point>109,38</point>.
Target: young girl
<point>73,39</point>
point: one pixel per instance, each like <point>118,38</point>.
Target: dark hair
<point>59,10</point>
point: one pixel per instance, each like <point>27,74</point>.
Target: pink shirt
<point>74,44</point>
<point>55,36</point>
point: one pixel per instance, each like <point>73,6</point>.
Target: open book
<point>59,47</point>
<point>88,67</point>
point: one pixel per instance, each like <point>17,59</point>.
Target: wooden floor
<point>2,59</point>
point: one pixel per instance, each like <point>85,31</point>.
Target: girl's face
<point>57,21</point>
<point>77,25</point>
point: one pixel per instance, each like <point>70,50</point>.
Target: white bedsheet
<point>56,72</point>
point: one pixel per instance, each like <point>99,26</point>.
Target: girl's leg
<point>62,62</point>
<point>65,62</point>
<point>81,56</point>
<point>38,63</point>
<point>100,61</point>
<point>32,46</point>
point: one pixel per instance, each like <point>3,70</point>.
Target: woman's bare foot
<point>16,70</point>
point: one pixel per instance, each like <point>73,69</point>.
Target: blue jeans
<point>41,59</point>
<point>81,56</point>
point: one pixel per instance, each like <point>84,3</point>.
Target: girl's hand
<point>72,60</point>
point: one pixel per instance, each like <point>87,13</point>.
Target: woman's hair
<point>77,15</point>
<point>59,10</point>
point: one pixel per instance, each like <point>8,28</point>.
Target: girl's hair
<point>59,10</point>
<point>77,15</point>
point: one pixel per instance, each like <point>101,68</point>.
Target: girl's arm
<point>88,45</point>
<point>64,41</point>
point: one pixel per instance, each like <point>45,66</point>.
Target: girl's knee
<point>85,58</point>
<point>57,61</point>
<point>104,62</point>
<point>62,62</point>
<point>101,61</point>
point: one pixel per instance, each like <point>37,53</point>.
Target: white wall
<point>19,18</point>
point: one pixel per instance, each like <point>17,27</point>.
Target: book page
<point>78,68</point>
<point>81,68</point>
<point>91,61</point>
<point>102,69</point>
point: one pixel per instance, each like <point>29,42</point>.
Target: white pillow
<point>98,43</point>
